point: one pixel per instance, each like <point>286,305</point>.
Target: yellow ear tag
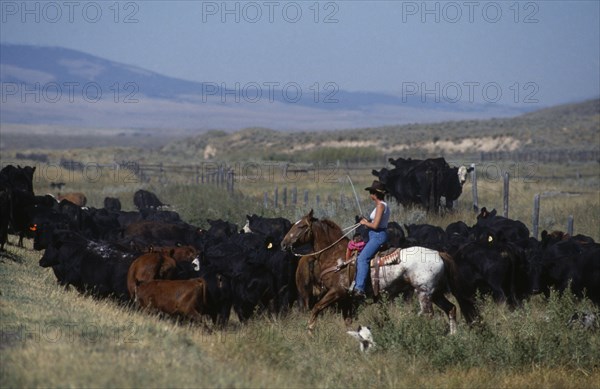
<point>490,239</point>
<point>270,246</point>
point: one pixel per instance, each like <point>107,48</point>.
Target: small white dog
<point>364,336</point>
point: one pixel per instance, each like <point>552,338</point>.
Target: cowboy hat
<point>377,186</point>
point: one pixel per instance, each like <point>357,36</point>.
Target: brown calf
<point>148,267</point>
<point>185,298</point>
<point>76,198</point>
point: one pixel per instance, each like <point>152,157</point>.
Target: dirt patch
<point>465,145</point>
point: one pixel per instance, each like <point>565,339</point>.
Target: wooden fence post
<point>230,180</point>
<point>305,198</point>
<point>570,221</point>
<point>276,197</point>
<point>536,215</point>
<point>266,200</point>
<point>294,196</point>
<point>506,180</point>
<point>474,187</point>
<point>284,197</point>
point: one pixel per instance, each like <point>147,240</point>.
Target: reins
<point>350,229</point>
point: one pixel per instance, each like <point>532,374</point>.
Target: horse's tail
<point>466,302</point>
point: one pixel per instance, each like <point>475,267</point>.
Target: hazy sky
<point>544,51</point>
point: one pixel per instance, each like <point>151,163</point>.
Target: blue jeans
<point>363,262</point>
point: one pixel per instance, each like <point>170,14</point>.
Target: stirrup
<point>351,287</point>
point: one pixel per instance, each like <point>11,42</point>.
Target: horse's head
<point>300,233</point>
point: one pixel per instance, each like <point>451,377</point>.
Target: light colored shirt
<point>385,218</point>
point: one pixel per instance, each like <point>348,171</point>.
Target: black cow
<point>112,204</point>
<point>151,214</point>
<point>404,188</point>
<point>423,182</point>
<point>220,230</point>
<point>144,199</point>
<point>95,267</point>
<point>569,262</point>
<point>491,266</point>
<point>505,229</point>
<point>146,233</point>
<point>4,219</point>
<point>276,227</point>
<point>243,258</point>
<point>457,234</point>
<point>16,185</point>
<point>426,235</point>
<point>261,275</point>
<point>396,236</point>
<point>19,178</point>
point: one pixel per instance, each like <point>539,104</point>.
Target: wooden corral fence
<point>131,172</point>
<point>229,177</point>
<point>536,202</point>
<point>545,156</point>
<point>280,199</point>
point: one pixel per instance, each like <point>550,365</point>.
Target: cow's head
<point>462,174</point>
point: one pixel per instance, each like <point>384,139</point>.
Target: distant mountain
<point>58,86</point>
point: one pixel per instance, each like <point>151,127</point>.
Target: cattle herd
<point>155,260</point>
<point>423,182</point>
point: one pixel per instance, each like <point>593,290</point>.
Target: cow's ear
<point>544,235</point>
<point>470,169</point>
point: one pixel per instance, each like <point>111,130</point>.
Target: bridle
<point>309,230</point>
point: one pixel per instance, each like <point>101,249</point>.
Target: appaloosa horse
<point>422,268</point>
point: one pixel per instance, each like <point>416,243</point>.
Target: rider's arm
<point>374,224</point>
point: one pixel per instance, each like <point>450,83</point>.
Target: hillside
<point>68,88</point>
<point>566,127</point>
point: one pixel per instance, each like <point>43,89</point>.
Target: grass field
<point>51,337</point>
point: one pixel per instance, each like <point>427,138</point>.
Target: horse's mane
<point>332,225</point>
<point>331,229</point>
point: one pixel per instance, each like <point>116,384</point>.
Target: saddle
<point>384,256</point>
<point>376,263</point>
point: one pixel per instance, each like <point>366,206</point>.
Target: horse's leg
<point>425,302</point>
<point>330,297</point>
<point>441,301</point>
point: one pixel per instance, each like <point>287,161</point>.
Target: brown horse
<point>329,247</point>
<point>427,271</point>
